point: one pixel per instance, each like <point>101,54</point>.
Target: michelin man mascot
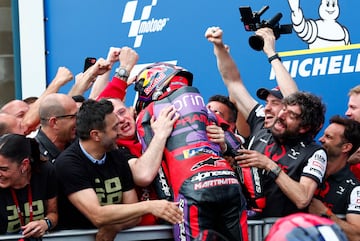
<point>193,171</point>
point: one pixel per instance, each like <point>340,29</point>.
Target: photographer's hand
<point>284,80</point>
<point>269,40</point>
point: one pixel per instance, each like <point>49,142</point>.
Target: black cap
<point>263,93</point>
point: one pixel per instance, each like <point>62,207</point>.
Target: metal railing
<point>257,231</point>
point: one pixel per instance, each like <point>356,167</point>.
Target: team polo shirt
<point>298,157</point>
<point>341,192</point>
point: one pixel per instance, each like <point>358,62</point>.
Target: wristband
<point>275,56</point>
<point>327,214</point>
<point>48,222</point>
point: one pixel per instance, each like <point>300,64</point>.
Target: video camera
<point>252,22</point>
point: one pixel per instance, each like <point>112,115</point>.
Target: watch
<point>274,173</point>
<point>48,223</point>
<point>122,73</point>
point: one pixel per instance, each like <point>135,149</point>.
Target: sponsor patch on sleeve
<point>354,205</point>
<point>316,165</point>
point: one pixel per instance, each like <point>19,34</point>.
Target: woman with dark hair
<point>28,190</point>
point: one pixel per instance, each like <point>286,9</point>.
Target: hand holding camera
<point>252,22</point>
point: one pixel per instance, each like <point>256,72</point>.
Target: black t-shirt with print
<point>43,187</point>
<point>75,172</point>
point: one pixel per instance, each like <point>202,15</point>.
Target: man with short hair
<point>340,191</point>
<point>95,181</point>
<point>10,124</point>
<point>57,119</point>
<point>223,106</point>
<point>273,98</point>
<point>353,112</point>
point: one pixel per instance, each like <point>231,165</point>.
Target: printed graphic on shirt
<point>112,193</point>
<point>14,224</point>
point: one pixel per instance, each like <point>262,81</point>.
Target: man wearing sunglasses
<point>57,120</point>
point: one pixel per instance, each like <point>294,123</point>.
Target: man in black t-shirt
<point>96,188</point>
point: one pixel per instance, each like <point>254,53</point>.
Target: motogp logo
<point>144,25</point>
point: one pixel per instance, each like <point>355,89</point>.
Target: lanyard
<point>16,201</point>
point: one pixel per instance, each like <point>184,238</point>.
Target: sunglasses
<point>66,116</point>
<point>71,116</point>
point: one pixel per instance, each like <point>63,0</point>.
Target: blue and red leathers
<point>193,171</point>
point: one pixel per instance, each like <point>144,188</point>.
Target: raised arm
<point>230,73</point>
<point>232,78</point>
<point>118,85</point>
<point>32,119</point>
<point>284,80</point>
<point>85,80</point>
<point>103,80</point>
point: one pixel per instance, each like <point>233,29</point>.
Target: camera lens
<point>256,42</point>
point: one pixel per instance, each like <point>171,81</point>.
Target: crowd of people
<point>70,162</point>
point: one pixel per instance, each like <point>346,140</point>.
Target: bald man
<point>17,108</point>
<point>57,124</point>
<point>10,124</point>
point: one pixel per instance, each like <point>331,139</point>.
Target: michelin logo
<point>144,25</point>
